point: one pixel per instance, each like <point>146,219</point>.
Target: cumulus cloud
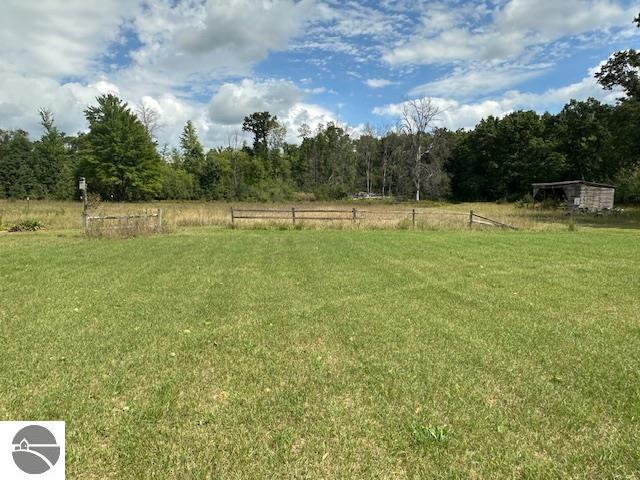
<point>21,97</point>
<point>58,38</point>
<point>456,114</point>
<point>216,38</point>
<point>235,100</point>
<point>515,26</point>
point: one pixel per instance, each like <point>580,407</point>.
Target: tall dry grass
<point>57,215</point>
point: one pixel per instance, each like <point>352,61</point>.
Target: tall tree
<point>260,125</point>
<point>367,153</point>
<point>150,118</point>
<point>417,118</point>
<point>193,157</point>
<point>53,166</point>
<point>122,163</point>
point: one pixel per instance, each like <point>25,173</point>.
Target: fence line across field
<point>354,215</point>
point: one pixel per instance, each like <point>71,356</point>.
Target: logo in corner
<point>35,449</point>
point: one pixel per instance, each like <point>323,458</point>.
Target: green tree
<point>122,162</point>
<point>193,158</point>
<point>177,183</point>
<point>584,138</point>
<point>260,124</point>
<point>17,177</point>
<point>623,70</point>
<point>53,166</point>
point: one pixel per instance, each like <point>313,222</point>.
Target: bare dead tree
<point>234,143</point>
<point>366,152</point>
<point>149,117</point>
<point>417,117</point>
<point>388,153</point>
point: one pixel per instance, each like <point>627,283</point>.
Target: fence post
<point>293,215</point>
<point>232,218</point>
<point>470,218</point>
<point>413,217</point>
<point>354,213</point>
<point>159,220</point>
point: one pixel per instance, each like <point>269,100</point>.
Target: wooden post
<point>232,218</point>
<point>159,220</point>
<point>470,218</point>
<point>293,215</point>
<point>354,213</point>
<point>85,214</point>
<point>413,217</point>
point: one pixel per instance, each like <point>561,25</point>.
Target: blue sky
<point>308,61</point>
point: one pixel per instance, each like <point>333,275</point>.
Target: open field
<point>375,214</point>
<point>219,353</point>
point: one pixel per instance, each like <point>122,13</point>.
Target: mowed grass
<point>328,354</point>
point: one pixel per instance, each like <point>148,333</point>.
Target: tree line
<point>498,159</point>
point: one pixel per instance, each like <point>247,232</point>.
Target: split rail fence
<point>354,215</point>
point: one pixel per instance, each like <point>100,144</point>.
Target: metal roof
<point>571,182</point>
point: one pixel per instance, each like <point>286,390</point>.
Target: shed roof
<point>571,182</point>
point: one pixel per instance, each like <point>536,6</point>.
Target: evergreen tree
<point>53,167</point>
<point>122,162</point>
<point>193,157</point>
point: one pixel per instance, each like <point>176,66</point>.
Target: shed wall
<point>596,198</point>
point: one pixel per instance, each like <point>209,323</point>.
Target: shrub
<point>27,225</point>
<point>524,202</point>
<point>628,186</point>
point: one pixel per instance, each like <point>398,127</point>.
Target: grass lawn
<point>218,353</point>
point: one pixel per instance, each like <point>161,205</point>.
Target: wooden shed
<point>578,194</point>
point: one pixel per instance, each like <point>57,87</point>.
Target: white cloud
<point>516,25</point>
<point>479,79</point>
<point>57,38</point>
<point>378,82</point>
<point>21,97</point>
<point>456,114</point>
<point>234,101</point>
<point>217,38</point>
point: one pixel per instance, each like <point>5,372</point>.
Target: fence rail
<point>479,219</point>
<point>123,220</point>
<point>354,215</point>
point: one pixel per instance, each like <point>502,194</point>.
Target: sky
<point>306,61</point>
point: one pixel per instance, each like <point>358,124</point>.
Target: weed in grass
<point>424,435</point>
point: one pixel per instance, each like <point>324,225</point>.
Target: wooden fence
<point>480,220</point>
<point>354,215</point>
<point>150,221</point>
